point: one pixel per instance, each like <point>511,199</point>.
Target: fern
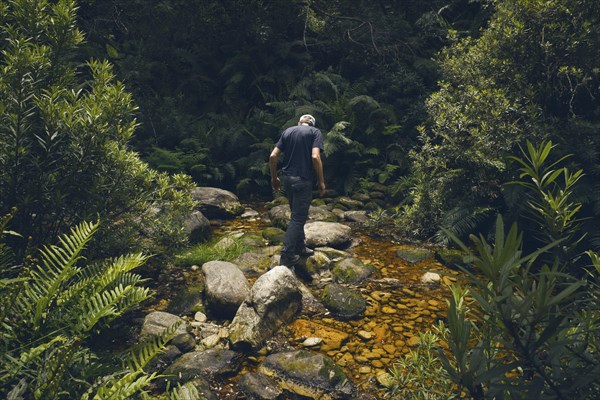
<point>53,307</point>
<point>134,379</point>
<point>461,222</point>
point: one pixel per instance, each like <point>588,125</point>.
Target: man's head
<point>307,119</point>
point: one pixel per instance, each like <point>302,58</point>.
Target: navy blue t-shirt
<point>297,143</point>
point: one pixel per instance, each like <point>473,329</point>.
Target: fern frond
<point>125,387</point>
<point>143,353</point>
<point>110,303</point>
<point>460,222</point>
<point>58,267</point>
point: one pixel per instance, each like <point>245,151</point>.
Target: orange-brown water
<point>400,307</point>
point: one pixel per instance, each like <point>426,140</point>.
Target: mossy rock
<point>414,255</point>
<point>308,374</point>
<point>277,201</point>
<point>273,235</point>
<point>352,270</point>
<point>317,262</point>
<point>343,302</point>
<point>252,240</point>
<point>318,203</point>
<point>450,257</point>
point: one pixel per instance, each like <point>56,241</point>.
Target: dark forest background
<point>469,115</point>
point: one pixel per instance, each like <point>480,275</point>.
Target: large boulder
<point>217,203</point>
<point>308,374</point>
<point>204,364</point>
<point>330,234</point>
<point>274,300</point>
<point>197,227</point>
<point>225,288</point>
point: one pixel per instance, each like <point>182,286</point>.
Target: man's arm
<point>318,166</point>
<point>275,182</point>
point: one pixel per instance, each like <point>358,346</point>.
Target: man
<point>302,146</point>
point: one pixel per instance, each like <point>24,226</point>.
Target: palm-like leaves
<point>55,305</point>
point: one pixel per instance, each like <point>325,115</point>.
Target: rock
<point>349,203</point>
<point>217,203</point>
<point>317,262</point>
<point>357,216</point>
<point>185,342</point>
<point>451,258</point>
<point>280,215</point>
<point>197,227</point>
<point>273,235</point>
<point>186,300</point>
<point>225,243</point>
<point>333,254</point>
<point>365,335</point>
<point>362,197</point>
<point>257,386</point>
<point>164,358</point>
<point>225,287</point>
<point>253,263</point>
<point>414,255</point>
<point>203,387</point>
<point>330,234</point>
<point>249,213</point>
<point>157,322</point>
<point>312,342</point>
<point>352,270</point>
<point>342,301</point>
<point>431,278</point>
<point>207,363</point>
<point>200,317</point>
<point>273,301</point>
<point>309,374</point>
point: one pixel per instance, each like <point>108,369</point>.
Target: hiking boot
<point>289,262</point>
<point>307,252</point>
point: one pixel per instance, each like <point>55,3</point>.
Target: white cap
<point>309,119</point>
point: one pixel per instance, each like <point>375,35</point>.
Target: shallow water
<point>400,307</point>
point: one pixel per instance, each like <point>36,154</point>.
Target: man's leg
<point>299,195</point>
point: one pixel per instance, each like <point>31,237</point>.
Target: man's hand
<point>322,188</point>
<point>275,184</point>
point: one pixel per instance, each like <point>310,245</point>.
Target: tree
<point>64,132</point>
<point>532,74</point>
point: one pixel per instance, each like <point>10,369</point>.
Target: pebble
<point>200,317</point>
<point>365,335</point>
<point>364,370</point>
<point>388,310</point>
<point>389,348</point>
<point>312,342</point>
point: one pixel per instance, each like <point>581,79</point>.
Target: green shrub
<point>419,375</point>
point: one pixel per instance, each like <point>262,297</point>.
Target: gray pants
<point>299,194</point>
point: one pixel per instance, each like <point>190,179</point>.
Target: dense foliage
<point>64,128</point>
<point>213,103</point>
<point>533,74</point>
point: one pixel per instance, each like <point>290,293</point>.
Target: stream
<point>400,306</point>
